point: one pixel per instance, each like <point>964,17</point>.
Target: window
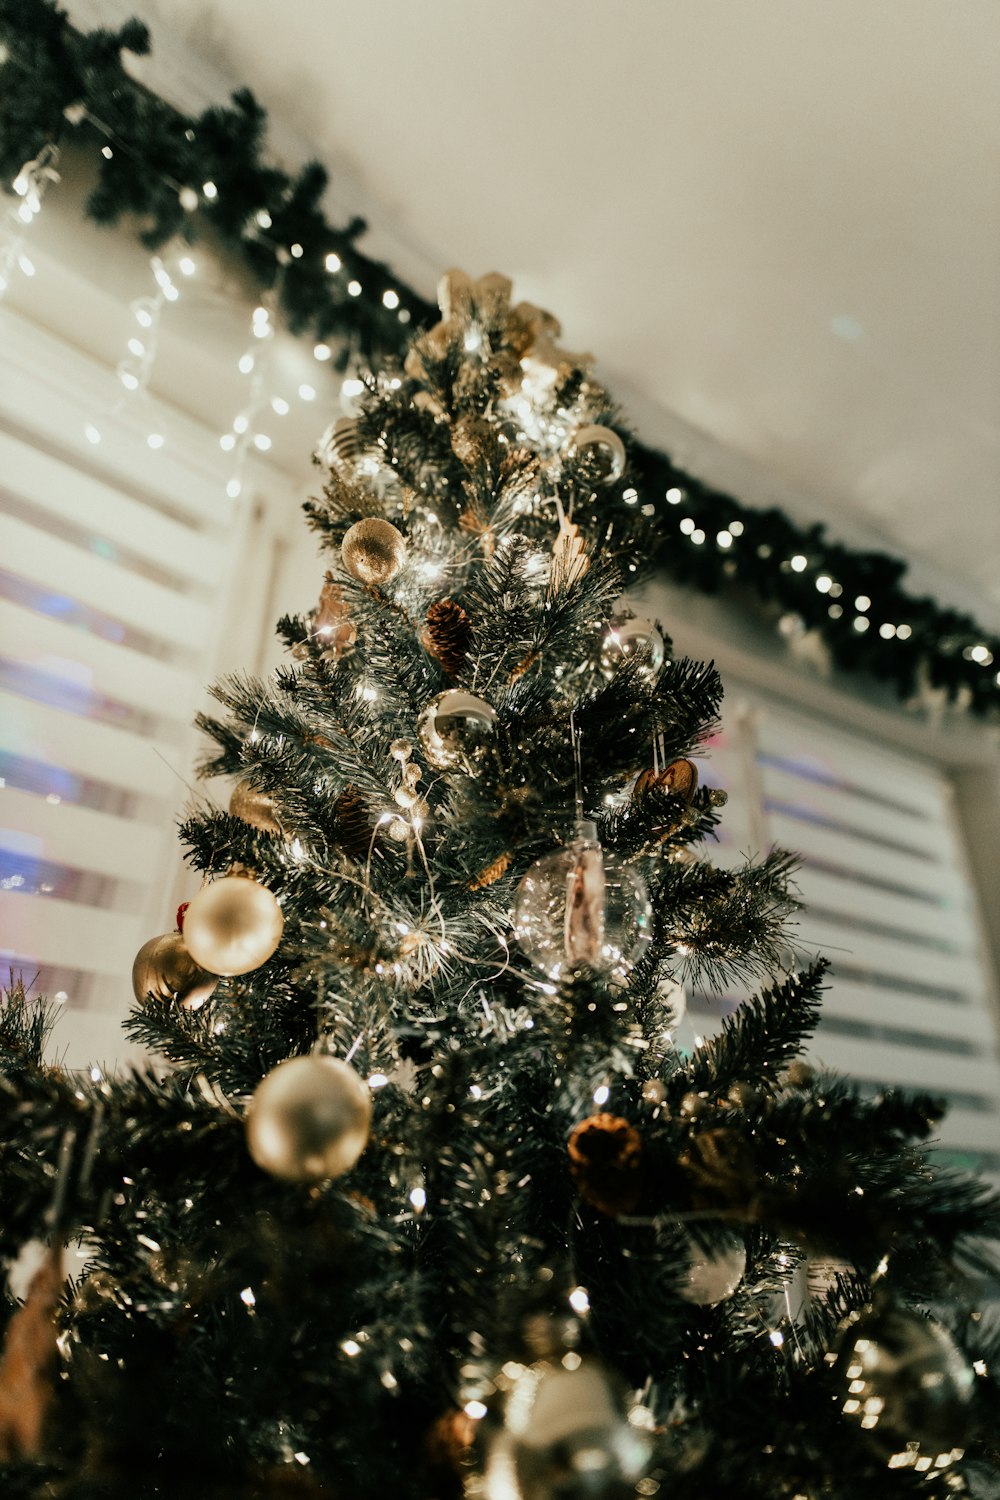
<point>116,570</point>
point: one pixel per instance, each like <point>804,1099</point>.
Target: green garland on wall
<point>172,174</point>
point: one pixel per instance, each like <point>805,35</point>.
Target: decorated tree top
<point>421,1197</point>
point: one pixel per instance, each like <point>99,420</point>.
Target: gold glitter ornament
<point>164,968</point>
<point>254,807</point>
<point>373,551</point>
<point>309,1119</point>
<point>233,925</point>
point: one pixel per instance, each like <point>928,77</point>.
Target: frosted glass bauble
<point>309,1119</point>
<point>580,908</point>
<point>233,925</point>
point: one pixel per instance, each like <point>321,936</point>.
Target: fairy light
<point>798,563</point>
<point>245,364</point>
<point>279,405</point>
<point>824,583</point>
<point>475,1410</point>
<point>675,496</point>
<point>862,602</point>
<point>861,624</point>
<point>187,265</point>
<point>354,288</point>
<point>687,525</point>
<point>579,1301</point>
<point>333,263</point>
<point>209,191</point>
<point>887,631</point>
<point>390,300</point>
<point>724,539</point>
<point>322,352</point>
<point>307,393</point>
<point>296,251</point>
<point>602,1095</point>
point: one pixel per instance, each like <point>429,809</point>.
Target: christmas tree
<point>420,1198</point>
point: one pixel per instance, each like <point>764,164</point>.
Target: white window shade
<point>116,566</point>
<point>888,900</point>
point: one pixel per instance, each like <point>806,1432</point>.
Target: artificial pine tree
<point>420,1198</point>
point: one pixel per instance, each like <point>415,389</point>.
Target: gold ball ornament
<point>563,1431</point>
<point>309,1119</point>
<point>233,925</point>
<point>254,807</point>
<point>373,551</point>
<point>164,968</point>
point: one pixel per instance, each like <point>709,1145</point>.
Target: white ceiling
<point>778,220</point>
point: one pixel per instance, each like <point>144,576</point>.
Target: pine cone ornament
<point>492,872</point>
<point>447,634</point>
<point>353,824</point>
<point>605,1162</point>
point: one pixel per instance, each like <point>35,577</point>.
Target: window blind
<point>116,563</point>
<point>888,900</point>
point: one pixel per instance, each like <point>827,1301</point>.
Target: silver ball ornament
<point>581,908</point>
<point>713,1275</point>
<point>456,729</point>
<point>373,551</point>
<point>309,1119</point>
<point>629,636</point>
<point>164,968</point>
<point>906,1383</point>
<point>603,445</point>
<point>233,925</point>
<point>564,1434</point>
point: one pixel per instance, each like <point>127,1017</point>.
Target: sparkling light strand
<point>30,186</point>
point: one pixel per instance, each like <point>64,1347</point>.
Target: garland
<point>180,175</point>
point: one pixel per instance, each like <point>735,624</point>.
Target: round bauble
<point>713,1275</point>
<point>254,807</point>
<point>904,1380</point>
<point>563,1433</point>
<point>342,451</point>
<point>233,925</point>
<point>309,1119</point>
<point>602,447</point>
<point>631,636</point>
<point>457,729</point>
<point>164,968</point>
<point>373,551</point>
<point>580,908</point>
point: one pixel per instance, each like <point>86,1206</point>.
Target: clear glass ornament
<point>581,908</point>
<point>456,729</point>
<point>714,1275</point>
<point>629,636</point>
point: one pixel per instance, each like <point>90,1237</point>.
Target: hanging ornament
<point>341,449</point>
<point>570,561</point>
<point>164,968</point>
<point>679,777</point>
<point>446,635</point>
<point>562,1432</point>
<point>373,551</point>
<point>254,807</point>
<point>28,1363</point>
<point>330,625</point>
<point>713,1275</point>
<point>233,925</point>
<point>631,636</point>
<point>672,995</point>
<point>581,908</point>
<point>601,449</point>
<point>457,729</point>
<point>309,1119</point>
<point>353,823</point>
<point>904,1381</point>
<point>605,1163</point>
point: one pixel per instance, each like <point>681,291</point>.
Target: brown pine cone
<point>605,1162</point>
<point>353,823</point>
<point>492,872</point>
<point>447,634</point>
